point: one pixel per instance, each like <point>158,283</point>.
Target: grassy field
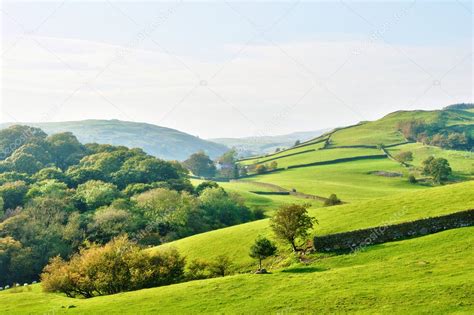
<point>235,241</point>
<point>324,155</point>
<point>266,202</point>
<point>262,159</point>
<point>351,181</point>
<point>384,130</point>
<point>431,274</point>
<point>462,162</point>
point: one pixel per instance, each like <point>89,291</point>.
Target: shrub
<point>261,249</point>
<point>260,169</point>
<point>221,267</point>
<point>412,179</point>
<point>404,156</point>
<point>116,267</point>
<point>198,269</point>
<point>332,200</point>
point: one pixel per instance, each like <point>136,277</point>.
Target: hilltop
<point>248,146</point>
<point>165,143</point>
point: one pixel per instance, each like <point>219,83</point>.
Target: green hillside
<point>165,143</point>
<point>266,144</point>
<point>235,241</point>
<point>431,274</point>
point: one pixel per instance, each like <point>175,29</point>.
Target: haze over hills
<point>165,143</point>
<point>248,146</point>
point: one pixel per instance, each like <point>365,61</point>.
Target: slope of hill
<point>165,143</point>
<point>249,146</point>
<point>423,275</point>
<point>235,241</point>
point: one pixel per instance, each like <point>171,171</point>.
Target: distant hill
<point>165,143</point>
<point>249,146</point>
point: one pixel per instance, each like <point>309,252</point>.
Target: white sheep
<point>7,287</point>
<point>25,284</point>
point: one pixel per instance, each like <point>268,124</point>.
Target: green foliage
<point>13,194</point>
<point>223,209</point>
<point>66,150</point>
<point>94,194</point>
<point>205,185</point>
<point>53,173</point>
<point>438,168</point>
<point>404,156</point>
<point>116,267</point>
<point>109,222</point>
<point>261,249</point>
<point>221,266</point>
<point>332,200</point>
<point>15,136</point>
<point>201,165</point>
<point>49,187</point>
<point>292,223</point>
<point>412,179</point>
<point>227,164</point>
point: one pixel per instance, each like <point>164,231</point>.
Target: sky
<point>232,68</point>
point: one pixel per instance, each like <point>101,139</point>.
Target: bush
<point>116,267</point>
<point>405,156</point>
<point>198,269</point>
<point>261,249</point>
<point>221,267</point>
<point>412,179</point>
<point>332,201</point>
<point>260,169</point>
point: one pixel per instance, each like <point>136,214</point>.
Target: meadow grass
<point>351,181</point>
<point>462,162</point>
<point>266,202</point>
<point>325,155</point>
<point>235,241</point>
<point>430,274</point>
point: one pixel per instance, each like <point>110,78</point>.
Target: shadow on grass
<point>304,270</point>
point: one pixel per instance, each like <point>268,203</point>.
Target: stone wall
<point>355,240</point>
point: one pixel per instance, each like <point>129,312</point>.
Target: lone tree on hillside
<point>438,168</point>
<point>201,165</point>
<point>404,156</point>
<point>261,249</point>
<point>297,143</point>
<point>332,200</point>
<point>292,223</point>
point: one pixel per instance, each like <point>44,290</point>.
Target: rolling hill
<point>381,279</point>
<point>165,143</point>
<point>428,274</point>
<point>266,144</point>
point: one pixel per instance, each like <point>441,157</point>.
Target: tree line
<point>58,195</point>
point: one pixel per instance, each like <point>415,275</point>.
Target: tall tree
<point>292,223</point>
<point>201,165</point>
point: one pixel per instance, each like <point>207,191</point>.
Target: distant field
<point>431,274</point>
<point>462,162</point>
<point>262,159</point>
<point>235,241</point>
<point>351,181</point>
<point>267,202</point>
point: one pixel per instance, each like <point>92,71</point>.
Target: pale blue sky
<point>207,68</point>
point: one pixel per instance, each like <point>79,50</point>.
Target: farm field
<point>461,162</point>
<point>328,284</point>
<point>282,154</point>
<point>351,181</point>
<point>235,241</point>
<point>266,202</point>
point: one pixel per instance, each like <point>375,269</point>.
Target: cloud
<point>266,89</point>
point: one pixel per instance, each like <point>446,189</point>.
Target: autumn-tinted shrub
<point>116,267</point>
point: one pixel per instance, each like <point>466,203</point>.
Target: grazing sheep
<point>1,288</point>
<point>34,282</point>
<point>7,287</point>
<point>25,284</point>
